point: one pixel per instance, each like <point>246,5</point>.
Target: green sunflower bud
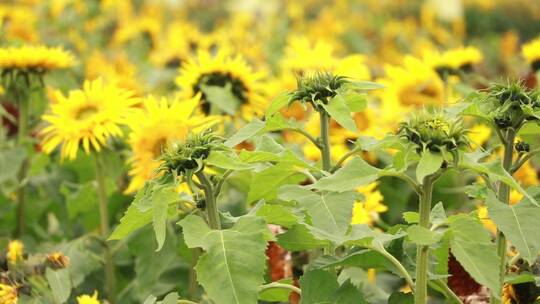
<point>317,88</point>
<point>434,132</point>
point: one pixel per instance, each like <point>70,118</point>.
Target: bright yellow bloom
<point>35,58</point>
<point>531,51</point>
<point>367,211</point>
<point>222,70</point>
<point>160,122</point>
<point>508,294</point>
<point>455,59</point>
<point>479,134</point>
<point>86,299</point>
<point>415,84</point>
<point>8,294</point>
<point>15,251</point>
<point>527,175</point>
<point>88,117</point>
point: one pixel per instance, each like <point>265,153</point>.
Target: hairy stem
<point>422,251</point>
<point>110,279</point>
<point>325,140</point>
<point>397,264</point>
<point>211,206</point>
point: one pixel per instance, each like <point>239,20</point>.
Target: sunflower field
<point>251,151</point>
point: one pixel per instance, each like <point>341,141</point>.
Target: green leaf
<point>171,298</point>
<point>362,235</point>
<point>356,102</point>
<point>80,201</point>
<point>469,239</point>
<point>411,217</point>
<point>364,85</point>
<point>226,161</point>
<point>221,97</point>
<point>60,284</point>
<point>10,162</point>
<point>318,286</point>
<point>278,103</point>
<point>353,174</point>
<point>300,238</point>
<point>264,183</point>
<point>438,215</point>
<point>337,108</point>
<point>422,236</point>
<point>371,144</point>
<point>161,198</point>
<point>401,298</point>
<point>132,220</point>
<point>347,293</point>
<point>249,130</point>
<point>278,215</point>
<point>519,224</point>
<point>232,267</point>
<point>150,300</point>
<point>330,212</point>
<point>429,164</point>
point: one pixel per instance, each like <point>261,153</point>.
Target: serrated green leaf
<point>318,286</point>
<point>401,298</point>
<point>353,174</point>
<point>300,238</point>
<point>278,103</point>
<point>429,163</point>
<point>278,215</point>
<point>264,183</point>
<point>224,160</point>
<point>519,223</point>
<point>411,217</point>
<point>422,236</point>
<point>232,267</point>
<point>337,108</point>
<point>132,220</point>
<point>161,198</point>
<point>60,284</point>
<point>469,238</point>
<point>330,212</point>
<point>356,102</point>
<point>249,130</point>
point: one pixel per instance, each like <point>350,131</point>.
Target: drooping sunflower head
<point>87,117</point>
<point>37,59</point>
<point>512,103</point>
<point>531,52</point>
<point>227,84</point>
<point>8,294</point>
<point>159,123</point>
<point>435,132</point>
<point>187,157</point>
<point>317,87</point>
<point>86,299</point>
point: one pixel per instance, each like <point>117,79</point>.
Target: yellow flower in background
<point>86,299</point>
<point>116,69</point>
<point>177,43</point>
<point>18,22</point>
<point>8,294</point>
<point>479,134</point>
<point>86,117</point>
<point>527,175</point>
<point>415,84</point>
<point>462,58</point>
<point>531,52</point>
<point>368,210</point>
<point>508,294</point>
<point>35,58</point>
<point>158,123</point>
<point>15,250</point>
<point>200,74</point>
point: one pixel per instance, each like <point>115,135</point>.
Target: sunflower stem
<point>110,279</point>
<point>22,133</point>
<point>422,251</point>
<point>325,140</point>
<point>211,206</point>
<point>504,196</point>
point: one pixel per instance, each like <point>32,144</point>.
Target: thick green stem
<point>210,199</point>
<point>22,133</point>
<point>422,252</point>
<point>325,140</point>
<point>504,196</point>
<point>110,279</point>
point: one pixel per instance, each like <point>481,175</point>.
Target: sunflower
<point>8,294</point>
<point>454,60</point>
<point>88,117</point>
<point>152,128</point>
<point>86,299</point>
<point>531,52</point>
<point>231,75</point>
<point>413,85</point>
<point>35,58</point>
<point>368,210</point>
<point>15,251</point>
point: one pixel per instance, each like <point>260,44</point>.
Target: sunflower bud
<point>522,147</point>
<point>317,88</point>
<point>186,158</point>
<point>512,104</point>
<point>434,132</point>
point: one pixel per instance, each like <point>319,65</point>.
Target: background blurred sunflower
<point>35,58</point>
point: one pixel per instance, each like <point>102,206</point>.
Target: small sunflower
<point>531,52</point>
<point>86,299</point>
<point>158,124</point>
<point>15,250</point>
<point>207,72</point>
<point>8,294</point>
<point>88,117</point>
<point>35,58</point>
<point>454,60</point>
